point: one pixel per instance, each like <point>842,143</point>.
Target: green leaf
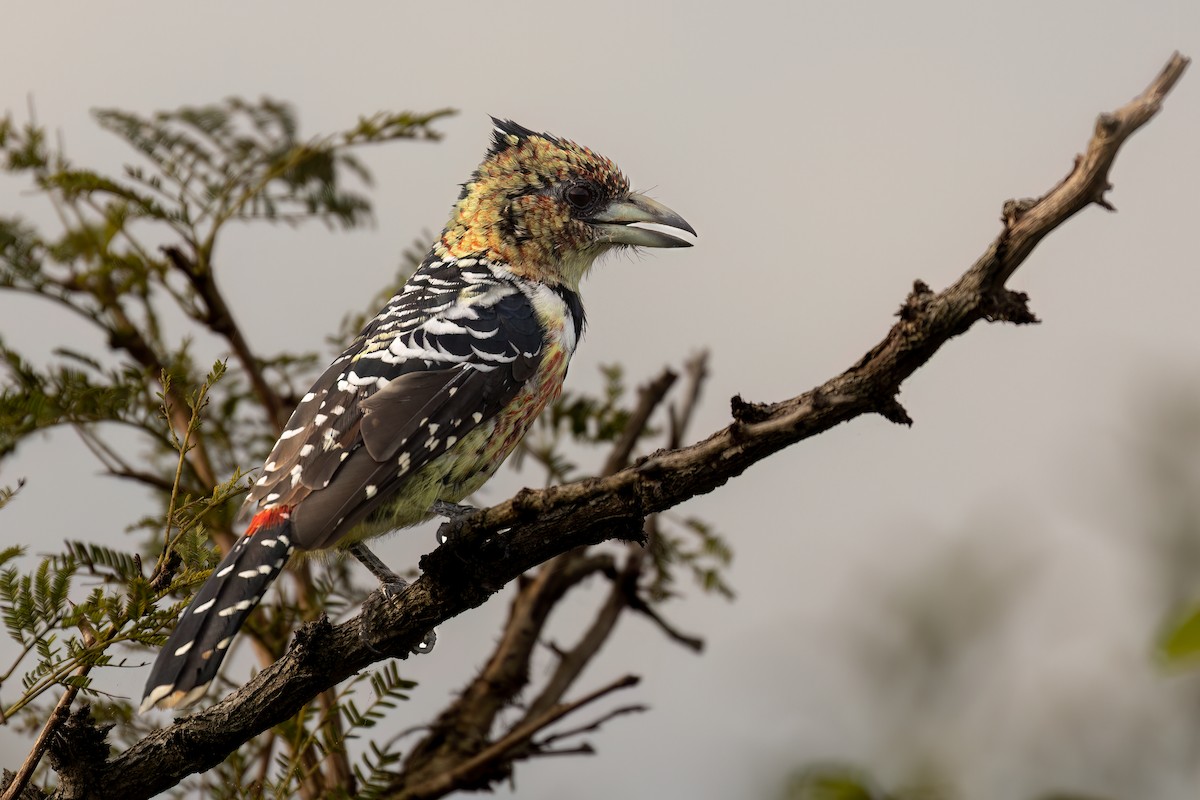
<point>7,493</point>
<point>832,782</point>
<point>1181,642</point>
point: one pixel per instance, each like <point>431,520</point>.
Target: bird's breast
<point>540,390</point>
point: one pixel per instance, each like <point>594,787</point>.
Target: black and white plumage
<point>437,389</point>
<point>446,354</point>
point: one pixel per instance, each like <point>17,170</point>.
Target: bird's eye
<point>581,196</point>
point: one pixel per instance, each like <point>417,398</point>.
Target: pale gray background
<point>828,154</point>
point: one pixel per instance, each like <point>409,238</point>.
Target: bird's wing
<point>442,358</point>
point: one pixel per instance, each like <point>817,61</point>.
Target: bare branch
<point>124,335</point>
<point>467,772</point>
<point>696,369</point>
<point>149,479</point>
<point>219,319</point>
<point>649,396</point>
<point>571,663</point>
<point>592,726</point>
<point>117,466</point>
<point>693,643</point>
<point>56,719</point>
<point>463,727</point>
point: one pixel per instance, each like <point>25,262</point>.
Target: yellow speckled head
<point>548,207</point>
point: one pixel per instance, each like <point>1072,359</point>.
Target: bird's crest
<point>506,134</point>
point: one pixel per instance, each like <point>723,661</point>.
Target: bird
<point>437,389</point>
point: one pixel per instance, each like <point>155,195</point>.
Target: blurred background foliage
<point>941,634</point>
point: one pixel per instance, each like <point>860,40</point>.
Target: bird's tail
<point>192,655</point>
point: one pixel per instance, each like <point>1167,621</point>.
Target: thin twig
<point>696,369</point>
<point>649,396</point>
<point>591,727</point>
<point>219,319</point>
<point>183,451</point>
<point>693,643</point>
<point>145,478</point>
<point>572,662</point>
<point>56,718</point>
<point>468,720</point>
<point>462,773</point>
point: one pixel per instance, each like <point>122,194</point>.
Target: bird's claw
<point>388,592</point>
<point>393,588</point>
<point>454,513</point>
<point>426,644</point>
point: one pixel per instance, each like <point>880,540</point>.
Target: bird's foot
<point>370,635</point>
<point>426,644</point>
<point>454,513</point>
<point>450,510</point>
<point>391,590</point>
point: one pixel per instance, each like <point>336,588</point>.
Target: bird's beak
<point>613,223</point>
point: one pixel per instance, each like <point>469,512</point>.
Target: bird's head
<point>548,207</point>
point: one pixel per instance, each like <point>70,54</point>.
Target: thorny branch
<point>496,545</point>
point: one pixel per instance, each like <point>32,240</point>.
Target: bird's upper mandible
<point>547,207</point>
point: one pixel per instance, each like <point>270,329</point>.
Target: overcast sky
<point>828,154</point>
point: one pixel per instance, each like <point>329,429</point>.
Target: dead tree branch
<point>219,319</point>
<point>470,772</point>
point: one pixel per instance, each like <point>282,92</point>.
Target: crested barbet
<point>437,389</point>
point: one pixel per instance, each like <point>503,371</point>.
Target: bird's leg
<point>454,513</point>
<point>390,581</point>
<point>391,587</point>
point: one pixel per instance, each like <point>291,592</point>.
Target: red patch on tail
<point>268,518</point>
